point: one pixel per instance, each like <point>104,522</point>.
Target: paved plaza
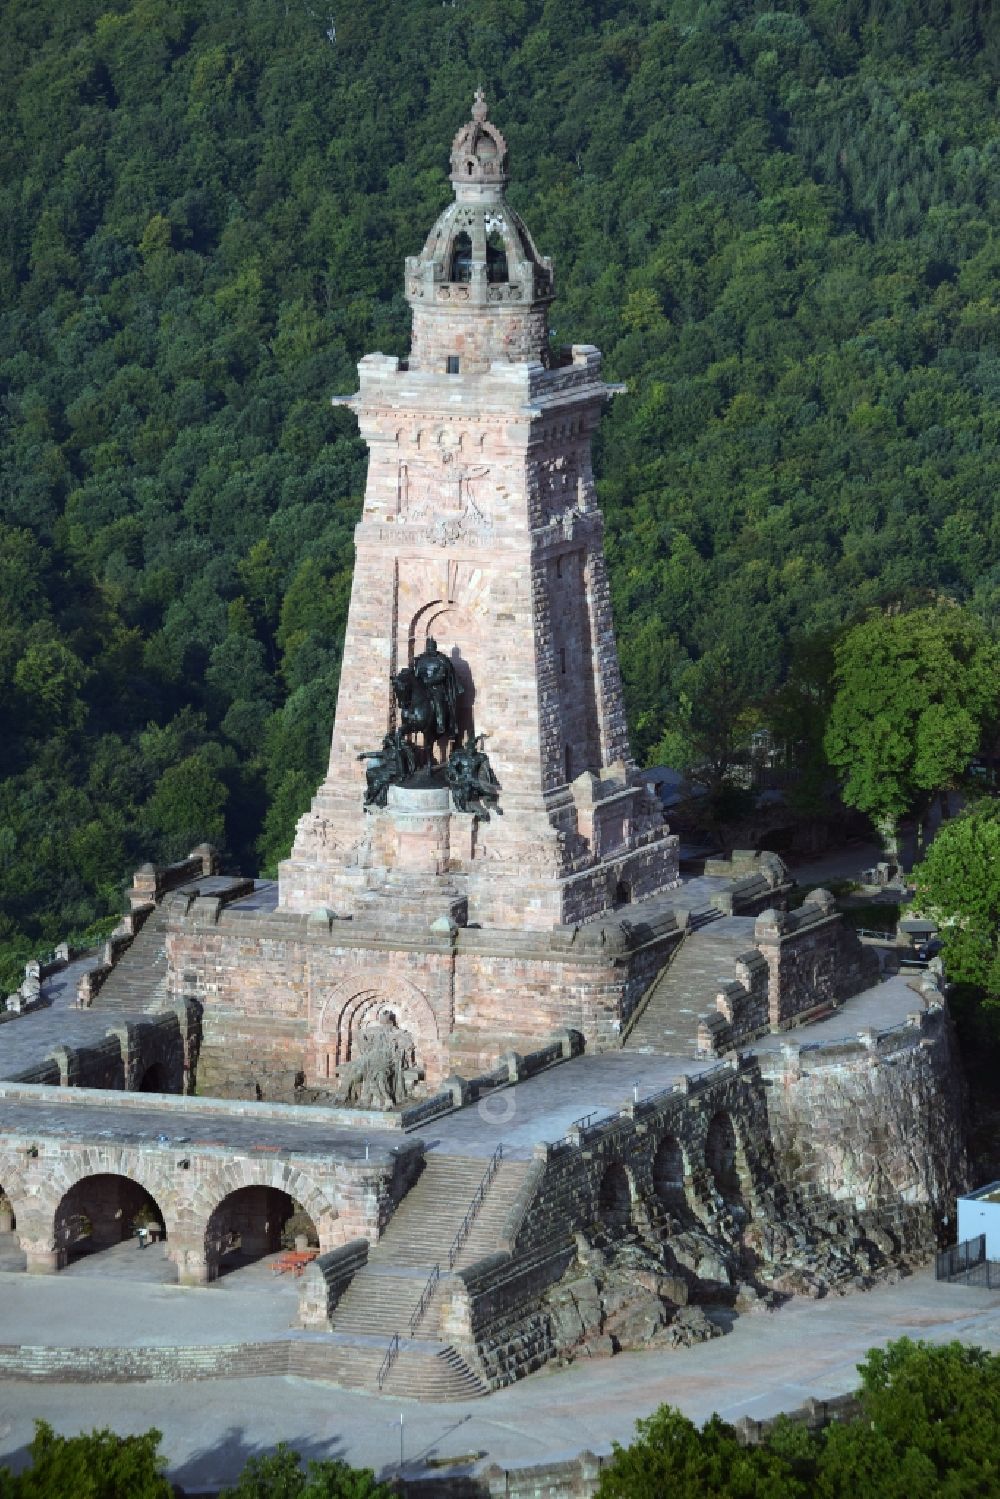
<point>763,1365</point>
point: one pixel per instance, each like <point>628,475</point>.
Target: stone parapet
<point>119,1059</point>
<point>326,1279</point>
<point>815,960</point>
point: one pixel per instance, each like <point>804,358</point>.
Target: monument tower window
<point>461,258</point>
<point>453,364</point>
<point>496,257</point>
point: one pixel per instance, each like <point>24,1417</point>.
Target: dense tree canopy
<point>915,695</point>
<point>778,224</point>
<point>103,1465</point>
<point>958,883</point>
<point>96,1465</point>
<point>280,1475</point>
<point>926,1427</point>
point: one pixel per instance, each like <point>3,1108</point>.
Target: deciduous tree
<point>915,693</point>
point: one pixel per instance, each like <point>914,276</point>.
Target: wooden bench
<point>294,1260</point>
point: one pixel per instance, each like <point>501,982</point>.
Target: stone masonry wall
<point>872,1131</point>
<point>815,960</point>
<point>283,996</point>
<point>872,1120</point>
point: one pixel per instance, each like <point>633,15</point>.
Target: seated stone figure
<point>472,780</point>
<point>383,1069</point>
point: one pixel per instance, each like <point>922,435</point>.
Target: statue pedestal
<point>416,888</point>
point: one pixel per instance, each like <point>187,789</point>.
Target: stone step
<point>138,980</point>
<point>686,987</point>
<point>421,1370</point>
<point>384,1294</point>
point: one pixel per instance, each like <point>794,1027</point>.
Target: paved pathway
<point>245,1129</point>
<point>765,1364</point>
<point>30,1038</point>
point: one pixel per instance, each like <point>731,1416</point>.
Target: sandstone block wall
<point>284,997</point>
<point>814,959</point>
<point>872,1121</point>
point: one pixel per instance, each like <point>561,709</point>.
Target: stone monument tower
<point>480,534</point>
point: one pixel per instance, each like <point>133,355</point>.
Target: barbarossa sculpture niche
<point>427,695</point>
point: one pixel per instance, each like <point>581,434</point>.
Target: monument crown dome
<point>479,151</point>
<point>479,288</point>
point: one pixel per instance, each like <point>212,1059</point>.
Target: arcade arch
<point>721,1158</point>
<point>101,1210</point>
<point>252,1222</point>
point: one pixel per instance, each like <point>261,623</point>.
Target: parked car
<point>924,951</point>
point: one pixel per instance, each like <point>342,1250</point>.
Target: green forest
<point>777,224</point>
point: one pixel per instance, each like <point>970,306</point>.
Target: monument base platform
<point>287,999</point>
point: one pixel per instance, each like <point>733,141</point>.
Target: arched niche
<point>668,1175</point>
<point>614,1198</point>
<point>100,1211</point>
<point>721,1158</point>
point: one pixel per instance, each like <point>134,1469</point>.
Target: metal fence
<point>985,1275</point>
<point>967,1262</point>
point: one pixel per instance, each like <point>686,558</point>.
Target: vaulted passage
<point>720,1158</point>
<point>154,1080</point>
<point>615,1198</point>
<point>668,1174</point>
<point>101,1211</point>
<point>253,1222</point>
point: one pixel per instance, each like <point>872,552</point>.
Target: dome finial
<point>479,151</point>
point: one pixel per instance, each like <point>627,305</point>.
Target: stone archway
<point>251,1223</point>
<point>40,1188</point>
<point>722,1159</point>
<point>614,1198</point>
<point>101,1210</point>
<point>355,1005</point>
<point>668,1175</point>
<point>268,1188</point>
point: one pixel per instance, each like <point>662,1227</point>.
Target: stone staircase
<point>382,1297</point>
<point>138,981</point>
<point>423,1370</point>
<point>686,987</point>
